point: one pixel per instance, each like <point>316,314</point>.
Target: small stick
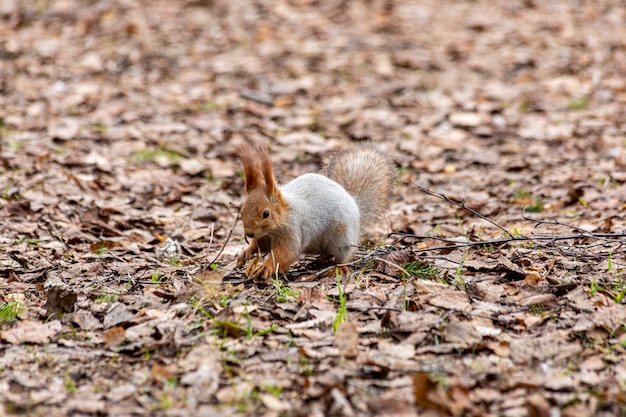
<point>462,205</point>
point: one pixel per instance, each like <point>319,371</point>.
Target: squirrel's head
<point>264,209</point>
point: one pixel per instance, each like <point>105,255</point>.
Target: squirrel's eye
<point>266,214</point>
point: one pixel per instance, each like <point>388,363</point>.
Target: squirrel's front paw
<point>259,270</point>
<point>245,254</point>
<point>242,257</point>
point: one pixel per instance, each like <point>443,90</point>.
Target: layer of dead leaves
<point>119,122</point>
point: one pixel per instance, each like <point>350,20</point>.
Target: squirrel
<point>313,214</point>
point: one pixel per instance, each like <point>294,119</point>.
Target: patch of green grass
<point>166,401</point>
<point>69,383</point>
<point>100,251</point>
<point>227,328</point>
<point>34,242</point>
<point>283,293</point>
<point>439,379</point>
<point>224,300</point>
<point>153,154</point>
<point>249,331</point>
<point>458,281</point>
<point>535,207</point>
<point>525,107</point>
<point>423,270</point>
<point>174,261</point>
<point>619,290</point>
<point>100,128</point>
<point>106,298</point>
<point>9,195</point>
<point>157,278</point>
<point>198,306</point>
<point>305,367</point>
<point>9,312</point>
<point>537,309</point>
<point>342,312</point>
<point>435,231</point>
<point>75,334</point>
<point>206,106</point>
<point>578,103</point>
<point>275,390</point>
<point>263,332</point>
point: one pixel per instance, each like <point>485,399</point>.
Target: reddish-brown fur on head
<point>251,167</point>
<point>268,172</point>
<point>264,208</point>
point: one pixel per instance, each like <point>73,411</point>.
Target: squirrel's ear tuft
<point>251,167</point>
<point>268,172</point>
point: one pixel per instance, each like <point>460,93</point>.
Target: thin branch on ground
<point>230,233</point>
<point>461,204</point>
<point>546,241</point>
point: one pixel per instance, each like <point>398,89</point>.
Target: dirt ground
<point>495,286</point>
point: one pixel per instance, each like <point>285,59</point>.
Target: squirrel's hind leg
<point>343,270</point>
<point>344,255</point>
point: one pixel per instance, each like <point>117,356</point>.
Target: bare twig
<point>256,96</point>
<point>230,233</point>
<point>615,240</point>
<point>461,204</point>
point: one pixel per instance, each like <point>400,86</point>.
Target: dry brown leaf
<point>533,278</point>
<point>347,339</point>
<point>538,406</point>
<point>429,395</point>
<point>392,263</point>
<point>544,301</point>
<point>123,126</point>
<point>315,297</point>
<point>457,331</point>
<point>160,374</point>
<point>84,319</point>
<point>396,350</point>
<point>31,332</point>
<point>114,336</point>
<point>609,318</point>
<point>452,300</point>
<point>20,208</point>
<point>388,407</point>
<point>118,314</point>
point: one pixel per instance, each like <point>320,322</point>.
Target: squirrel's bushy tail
<point>368,175</point>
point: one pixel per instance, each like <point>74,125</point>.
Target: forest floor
<point>495,286</point>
